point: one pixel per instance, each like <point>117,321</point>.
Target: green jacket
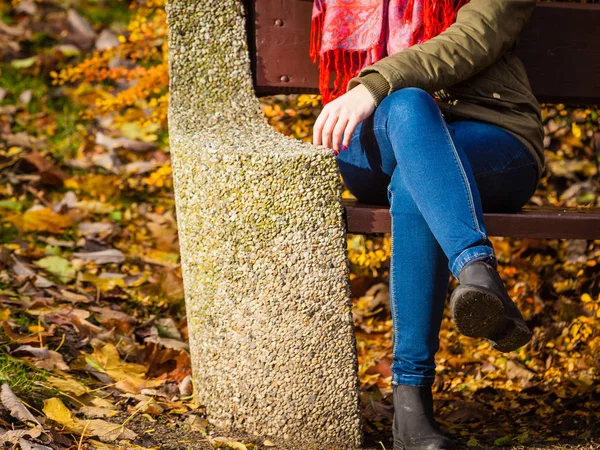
<point>471,68</point>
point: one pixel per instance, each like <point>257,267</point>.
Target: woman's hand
<point>341,117</point>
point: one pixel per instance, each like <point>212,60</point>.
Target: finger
<point>337,132</point>
<point>318,127</point>
<point>350,128</point>
<point>328,129</point>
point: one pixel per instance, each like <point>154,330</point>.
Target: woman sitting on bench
<point>432,114</point>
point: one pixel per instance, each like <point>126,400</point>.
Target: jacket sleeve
<point>482,32</point>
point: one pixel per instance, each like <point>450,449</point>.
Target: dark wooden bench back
<point>560,48</point>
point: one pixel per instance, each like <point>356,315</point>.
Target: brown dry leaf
<point>113,318</point>
<point>108,432</point>
<point>93,412</point>
<point>95,229</point>
<point>22,270</point>
<point>38,352</point>
<point>15,406</point>
<point>225,442</point>
<point>44,358</point>
<point>49,173</point>
<point>516,370</point>
<point>26,445</point>
<point>197,423</point>
<point>97,445</point>
<point>108,256</point>
<point>13,436</point>
<point>172,364</point>
<point>75,318</point>
<point>165,237</point>
<point>186,386</point>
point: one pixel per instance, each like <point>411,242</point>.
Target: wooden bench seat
<point>531,221</point>
<point>560,48</point>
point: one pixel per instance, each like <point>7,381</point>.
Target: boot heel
<point>515,335</point>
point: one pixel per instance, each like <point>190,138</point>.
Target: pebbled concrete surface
<point>263,247</point>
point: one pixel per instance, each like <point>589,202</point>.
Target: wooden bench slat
<point>560,48</point>
<point>533,222</point>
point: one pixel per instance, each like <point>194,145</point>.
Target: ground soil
<point>172,433</point>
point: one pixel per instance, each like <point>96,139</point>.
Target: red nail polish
<point>344,147</point>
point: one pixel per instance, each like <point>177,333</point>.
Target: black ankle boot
<point>481,307</point>
<point>414,427</point>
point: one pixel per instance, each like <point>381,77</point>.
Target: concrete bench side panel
<point>263,247</point>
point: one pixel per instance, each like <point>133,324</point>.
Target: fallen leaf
<point>94,412</point>
<point>90,229</point>
<point>13,436</point>
<point>70,385</point>
<point>58,266</point>
<point>225,442</point>
<point>186,386</point>
<point>26,445</point>
<point>108,431</point>
<point>15,406</point>
<point>55,410</point>
<point>50,175</point>
<point>130,377</point>
<point>38,352</point>
<point>44,219</point>
<point>69,201</point>
<point>22,270</point>
<point>102,257</point>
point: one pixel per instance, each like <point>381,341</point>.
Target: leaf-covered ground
<point>92,318</point>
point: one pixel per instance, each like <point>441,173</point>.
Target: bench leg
<point>263,247</point>
<point>268,299</point>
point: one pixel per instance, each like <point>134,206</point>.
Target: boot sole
<point>476,312</point>
<point>479,313</point>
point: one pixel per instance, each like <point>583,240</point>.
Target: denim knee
<point>409,98</point>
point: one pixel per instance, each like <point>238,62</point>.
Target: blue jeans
<point>436,178</point>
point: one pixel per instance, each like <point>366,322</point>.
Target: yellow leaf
<point>576,130</point>
<point>4,314</point>
<point>71,183</point>
<point>70,385</point>
<point>43,219</point>
<point>55,410</point>
<point>130,377</point>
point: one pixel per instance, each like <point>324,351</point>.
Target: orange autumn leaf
<point>43,219</point>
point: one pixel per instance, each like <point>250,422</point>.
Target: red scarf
<point>351,34</point>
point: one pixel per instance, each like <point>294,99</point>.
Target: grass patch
<point>24,380</point>
<point>97,13</point>
<point>66,137</point>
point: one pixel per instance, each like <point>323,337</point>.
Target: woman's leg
<point>406,148</point>
<point>431,173</point>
